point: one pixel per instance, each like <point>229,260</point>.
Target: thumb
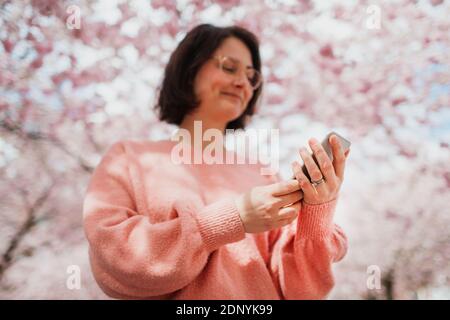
<point>284,187</point>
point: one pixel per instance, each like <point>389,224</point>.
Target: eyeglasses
<point>232,66</point>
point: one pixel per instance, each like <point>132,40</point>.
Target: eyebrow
<point>248,66</point>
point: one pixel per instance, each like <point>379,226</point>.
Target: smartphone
<point>327,147</point>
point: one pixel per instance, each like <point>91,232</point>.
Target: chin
<point>230,112</point>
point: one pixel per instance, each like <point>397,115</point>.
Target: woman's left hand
<point>332,172</point>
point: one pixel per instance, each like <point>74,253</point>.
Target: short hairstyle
<point>176,95</point>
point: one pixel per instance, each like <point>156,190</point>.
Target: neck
<point>197,128</point>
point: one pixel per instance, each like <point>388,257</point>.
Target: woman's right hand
<point>270,206</point>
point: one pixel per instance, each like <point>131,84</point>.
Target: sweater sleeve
<point>135,256</point>
<point>302,253</point>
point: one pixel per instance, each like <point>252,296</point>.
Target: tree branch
<point>15,128</point>
<point>8,256</point>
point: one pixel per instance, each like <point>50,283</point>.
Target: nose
<point>240,79</point>
<point>239,82</point>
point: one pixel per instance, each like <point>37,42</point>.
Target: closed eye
<point>230,69</point>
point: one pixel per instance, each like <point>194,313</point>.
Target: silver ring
<point>315,183</point>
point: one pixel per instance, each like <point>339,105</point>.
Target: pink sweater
<point>158,230</point>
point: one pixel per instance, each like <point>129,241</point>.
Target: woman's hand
<point>271,206</point>
<point>333,173</point>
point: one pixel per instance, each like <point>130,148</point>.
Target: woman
<point>158,230</point>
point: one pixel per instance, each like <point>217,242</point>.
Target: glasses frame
<point>221,59</point>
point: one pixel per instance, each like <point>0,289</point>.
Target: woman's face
<point>223,97</point>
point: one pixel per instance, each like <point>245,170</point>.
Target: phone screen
<point>327,147</point>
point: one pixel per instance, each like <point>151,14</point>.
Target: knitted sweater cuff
<point>316,221</point>
<point>220,224</point>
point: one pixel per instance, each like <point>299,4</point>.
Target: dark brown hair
<point>176,96</point>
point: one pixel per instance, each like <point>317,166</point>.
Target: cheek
<point>209,85</point>
<point>249,95</point>
<point>218,82</point>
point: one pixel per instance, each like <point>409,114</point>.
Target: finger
<point>338,157</point>
<point>303,180</point>
<point>291,211</point>
<point>325,164</point>
<point>284,187</point>
<point>288,214</point>
<point>288,199</point>
<point>311,166</point>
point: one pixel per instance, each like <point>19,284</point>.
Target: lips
<point>232,95</point>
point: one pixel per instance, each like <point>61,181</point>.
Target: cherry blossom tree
<point>76,76</point>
